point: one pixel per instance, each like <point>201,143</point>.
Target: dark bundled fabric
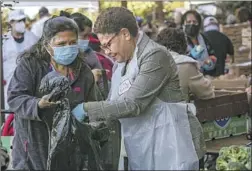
<point>71,143</point>
<point>4,158</point>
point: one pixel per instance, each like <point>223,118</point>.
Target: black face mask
<point>192,30</point>
<point>19,40</point>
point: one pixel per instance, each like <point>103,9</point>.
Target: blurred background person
<point>149,28</point>
<point>139,22</point>
<point>244,15</point>
<point>178,19</point>
<point>199,47</point>
<point>191,79</point>
<point>37,27</point>
<point>106,61</point>
<point>17,40</point>
<point>85,30</point>
<point>221,45</point>
<point>231,19</point>
<point>170,23</point>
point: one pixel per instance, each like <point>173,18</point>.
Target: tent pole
<point>1,70</point>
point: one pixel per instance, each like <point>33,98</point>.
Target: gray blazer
<point>158,77</point>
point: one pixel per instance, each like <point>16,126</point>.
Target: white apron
<point>160,138</point>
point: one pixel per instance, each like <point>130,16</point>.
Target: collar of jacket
<point>142,44</point>
<point>179,59</point>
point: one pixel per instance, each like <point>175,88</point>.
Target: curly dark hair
<point>170,23</point>
<point>113,19</point>
<point>193,12</point>
<point>244,14</point>
<point>173,39</point>
<point>51,27</point>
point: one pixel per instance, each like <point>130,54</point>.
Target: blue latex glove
<point>197,53</point>
<point>79,112</point>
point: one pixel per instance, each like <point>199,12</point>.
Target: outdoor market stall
<point>226,118</point>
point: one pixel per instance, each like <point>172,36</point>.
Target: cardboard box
<point>225,127</point>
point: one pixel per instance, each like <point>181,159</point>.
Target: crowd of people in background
<point>94,57</point>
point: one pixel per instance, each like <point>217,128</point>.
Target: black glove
<point>100,132</point>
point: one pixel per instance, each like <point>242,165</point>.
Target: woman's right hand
<point>45,103</point>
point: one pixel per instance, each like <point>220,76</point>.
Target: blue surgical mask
<point>65,55</point>
<point>83,45</point>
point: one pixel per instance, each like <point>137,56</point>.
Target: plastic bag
<point>4,158</point>
<point>72,145</point>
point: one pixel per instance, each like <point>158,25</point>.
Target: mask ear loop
<point>48,50</point>
<point>54,67</point>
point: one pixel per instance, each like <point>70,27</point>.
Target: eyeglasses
<point>107,45</point>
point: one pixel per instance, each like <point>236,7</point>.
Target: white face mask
<point>19,27</point>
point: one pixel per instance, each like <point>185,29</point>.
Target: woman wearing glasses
<point>159,131</point>
<point>56,51</point>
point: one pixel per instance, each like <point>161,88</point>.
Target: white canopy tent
<point>49,3</point>
<point>31,7</point>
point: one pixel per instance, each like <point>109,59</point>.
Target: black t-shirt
<point>222,46</point>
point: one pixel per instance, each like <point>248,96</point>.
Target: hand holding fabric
<point>45,103</point>
<point>53,88</point>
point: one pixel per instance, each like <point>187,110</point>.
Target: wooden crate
<point>225,104</point>
<point>246,37</point>
<point>238,34</point>
<point>241,69</point>
<point>230,84</point>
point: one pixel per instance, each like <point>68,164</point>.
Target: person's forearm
<point>25,106</point>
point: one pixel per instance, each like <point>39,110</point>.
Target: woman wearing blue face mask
<point>56,51</point>
<point>85,29</point>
